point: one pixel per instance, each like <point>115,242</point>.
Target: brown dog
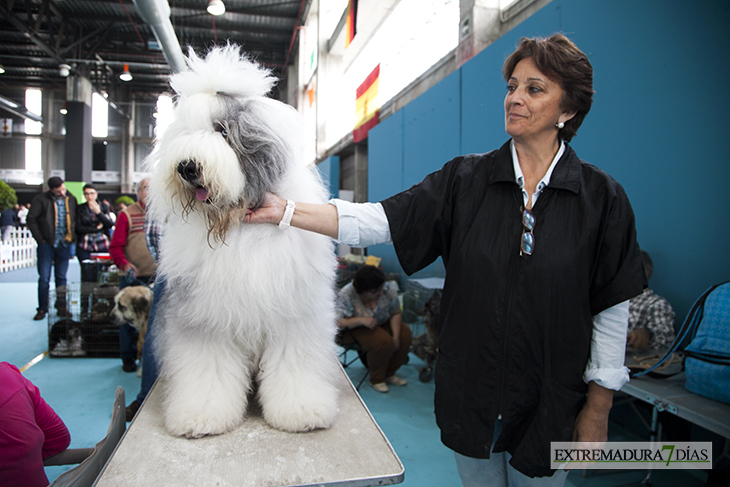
<point>132,305</point>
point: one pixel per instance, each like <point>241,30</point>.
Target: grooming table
<point>668,394</point>
<point>354,452</point>
<point>671,396</point>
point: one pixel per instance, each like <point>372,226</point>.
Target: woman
<point>92,225</point>
<point>541,260</point>
<point>370,316</point>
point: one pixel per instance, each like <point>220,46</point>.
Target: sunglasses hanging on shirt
<point>527,242</point>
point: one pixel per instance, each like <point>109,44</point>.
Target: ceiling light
<point>216,7</point>
<point>2,69</point>
<point>63,109</point>
<point>126,75</point>
<point>64,70</point>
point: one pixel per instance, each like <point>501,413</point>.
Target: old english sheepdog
<point>247,307</point>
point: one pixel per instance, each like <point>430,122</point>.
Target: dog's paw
<point>195,425</point>
<point>302,420</point>
<point>195,419</point>
<point>297,414</point>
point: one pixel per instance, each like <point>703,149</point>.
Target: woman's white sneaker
<point>396,381</point>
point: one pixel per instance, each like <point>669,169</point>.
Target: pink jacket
<point>30,431</point>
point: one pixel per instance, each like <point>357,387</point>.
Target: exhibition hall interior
<point>363,242</point>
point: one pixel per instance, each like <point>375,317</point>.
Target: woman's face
<point>532,106</point>
<point>90,194</point>
<point>372,294</point>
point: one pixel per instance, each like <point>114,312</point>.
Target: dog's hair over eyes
<point>261,154</point>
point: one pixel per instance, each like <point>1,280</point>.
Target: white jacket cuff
<point>361,224</point>
<point>608,348</point>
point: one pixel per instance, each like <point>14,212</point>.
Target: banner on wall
<point>366,106</point>
<point>350,27</point>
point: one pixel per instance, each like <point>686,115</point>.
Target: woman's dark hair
<point>89,186</point>
<point>561,61</point>
<point>368,278</point>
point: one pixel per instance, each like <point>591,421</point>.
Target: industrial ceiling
<point>97,38</point>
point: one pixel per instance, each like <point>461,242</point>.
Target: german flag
<point>350,27</point>
<point>366,111</point>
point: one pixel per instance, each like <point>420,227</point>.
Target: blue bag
<point>707,361</point>
<point>707,355</point>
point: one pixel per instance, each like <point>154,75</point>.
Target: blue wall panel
<point>385,174</point>
<point>431,130</point>
<point>329,169</point>
<point>483,90</point>
<point>385,158</point>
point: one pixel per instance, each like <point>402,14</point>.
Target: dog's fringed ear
<point>141,303</point>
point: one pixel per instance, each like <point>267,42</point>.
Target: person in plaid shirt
<point>651,317</point>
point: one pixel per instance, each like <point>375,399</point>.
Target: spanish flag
<point>366,108</point>
<point>351,22</point>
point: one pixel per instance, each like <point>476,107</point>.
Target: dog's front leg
<point>296,386</point>
<point>207,383</point>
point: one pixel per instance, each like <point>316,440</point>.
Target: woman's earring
<point>560,125</point>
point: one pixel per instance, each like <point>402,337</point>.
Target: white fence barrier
<point>19,251</point>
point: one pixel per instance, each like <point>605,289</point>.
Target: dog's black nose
<point>188,170</point>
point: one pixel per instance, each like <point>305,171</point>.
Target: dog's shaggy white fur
<point>247,307</point>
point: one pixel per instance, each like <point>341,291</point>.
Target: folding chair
<point>354,347</point>
<point>91,460</point>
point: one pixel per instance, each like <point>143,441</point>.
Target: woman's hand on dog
<point>318,218</point>
<point>271,211</point>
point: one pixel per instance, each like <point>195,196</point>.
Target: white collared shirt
<point>520,178</point>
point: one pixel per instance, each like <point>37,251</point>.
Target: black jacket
<point>8,218</point>
<point>42,217</point>
<point>87,220</point>
<point>515,332</point>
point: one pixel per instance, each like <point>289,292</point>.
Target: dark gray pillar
<point>361,172</point>
<point>78,153</point>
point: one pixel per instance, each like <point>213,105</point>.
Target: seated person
<point>651,317</point>
<point>30,431</point>
<point>370,315</point>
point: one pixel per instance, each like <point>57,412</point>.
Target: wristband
<point>288,214</point>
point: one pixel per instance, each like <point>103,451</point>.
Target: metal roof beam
<point>85,38</point>
<point>32,35</point>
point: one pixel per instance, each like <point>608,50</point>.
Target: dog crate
<point>78,321</point>
<point>421,307</point>
<point>417,294</point>
<point>99,269</point>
